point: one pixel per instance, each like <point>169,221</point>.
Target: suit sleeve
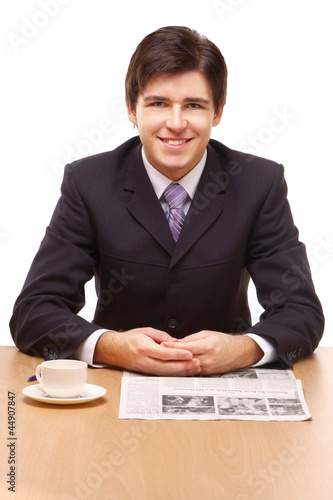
<point>45,321</point>
<point>292,319</point>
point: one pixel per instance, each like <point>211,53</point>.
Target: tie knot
<point>175,195</point>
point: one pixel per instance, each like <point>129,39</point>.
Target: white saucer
<point>90,393</point>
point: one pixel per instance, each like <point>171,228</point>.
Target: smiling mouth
<point>175,142</point>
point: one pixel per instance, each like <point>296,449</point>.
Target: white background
<point>63,69</point>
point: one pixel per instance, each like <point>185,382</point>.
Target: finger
<point>171,354</point>
<point>173,368</point>
<point>158,335</point>
<point>195,336</point>
<point>171,343</point>
<point>195,347</point>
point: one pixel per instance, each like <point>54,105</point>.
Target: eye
<point>194,105</point>
<point>158,104</point>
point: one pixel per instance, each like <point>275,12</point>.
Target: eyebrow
<point>151,98</point>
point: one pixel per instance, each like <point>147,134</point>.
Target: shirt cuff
<point>269,350</point>
<point>85,351</point>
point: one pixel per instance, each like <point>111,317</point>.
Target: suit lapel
<point>205,208</point>
<point>144,205</point>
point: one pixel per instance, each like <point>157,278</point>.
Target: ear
<point>131,113</point>
<point>217,117</point>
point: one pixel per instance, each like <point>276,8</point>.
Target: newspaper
<point>248,394</point>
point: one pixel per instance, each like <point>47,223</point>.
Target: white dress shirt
<point>189,182</point>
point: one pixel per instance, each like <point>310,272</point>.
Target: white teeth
<point>174,143</point>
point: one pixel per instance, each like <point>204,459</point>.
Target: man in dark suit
<point>173,225</point>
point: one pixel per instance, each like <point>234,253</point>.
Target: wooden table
<point>83,452</point>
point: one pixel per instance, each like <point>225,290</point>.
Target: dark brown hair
<point>176,49</point>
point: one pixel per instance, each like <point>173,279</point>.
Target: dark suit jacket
<point>109,222</point>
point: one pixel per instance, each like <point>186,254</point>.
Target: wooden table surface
<point>83,452</point>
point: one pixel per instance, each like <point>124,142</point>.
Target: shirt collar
<point>189,182</point>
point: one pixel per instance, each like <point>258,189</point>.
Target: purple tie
<point>175,196</point>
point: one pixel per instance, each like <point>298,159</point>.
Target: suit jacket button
<point>172,324</point>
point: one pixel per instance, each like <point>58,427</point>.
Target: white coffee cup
<point>62,378</point>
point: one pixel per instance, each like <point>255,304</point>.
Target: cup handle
<point>38,373</point>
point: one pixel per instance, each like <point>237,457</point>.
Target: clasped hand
<point>154,352</point>
<point>219,352</point>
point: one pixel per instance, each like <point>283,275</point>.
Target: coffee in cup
<point>62,378</point>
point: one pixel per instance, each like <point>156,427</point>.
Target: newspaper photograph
<point>248,394</point>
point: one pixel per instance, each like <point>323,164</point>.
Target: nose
<point>176,120</point>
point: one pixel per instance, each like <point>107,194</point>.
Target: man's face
<point>175,115</point>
